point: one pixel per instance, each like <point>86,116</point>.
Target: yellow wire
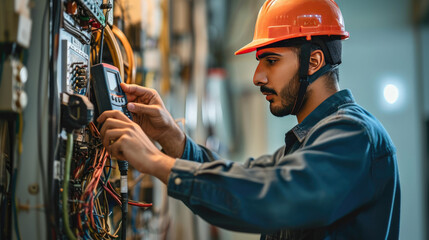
<point>115,51</point>
<point>119,227</point>
<point>65,196</point>
<point>131,71</point>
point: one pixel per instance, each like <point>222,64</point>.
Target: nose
<point>260,77</point>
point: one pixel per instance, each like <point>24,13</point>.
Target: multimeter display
<point>109,95</point>
<point>112,81</point>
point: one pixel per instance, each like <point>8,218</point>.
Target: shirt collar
<point>326,108</point>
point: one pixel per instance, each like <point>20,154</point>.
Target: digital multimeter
<point>107,90</point>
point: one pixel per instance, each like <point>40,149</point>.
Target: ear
<point>317,60</point>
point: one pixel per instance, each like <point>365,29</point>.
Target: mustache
<point>265,89</point>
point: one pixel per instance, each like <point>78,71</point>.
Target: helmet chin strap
<point>304,78</point>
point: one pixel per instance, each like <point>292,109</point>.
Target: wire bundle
<point>91,197</point>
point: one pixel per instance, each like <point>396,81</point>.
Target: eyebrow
<point>266,54</point>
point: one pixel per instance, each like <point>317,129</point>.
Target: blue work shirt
<point>335,178</point>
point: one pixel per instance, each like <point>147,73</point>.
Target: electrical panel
<point>86,178</point>
<point>85,191</point>
<point>75,67</point>
<point>93,10</point>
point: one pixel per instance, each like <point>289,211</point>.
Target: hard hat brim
<point>252,46</point>
<point>255,44</point>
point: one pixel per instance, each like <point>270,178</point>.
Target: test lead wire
<point>123,168</point>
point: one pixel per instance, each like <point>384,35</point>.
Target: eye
<point>271,61</point>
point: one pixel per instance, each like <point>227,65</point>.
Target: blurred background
<point>185,50</point>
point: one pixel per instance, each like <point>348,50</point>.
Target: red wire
<point>112,192</point>
<point>77,170</point>
<point>129,202</point>
<point>87,198</point>
<point>140,204</point>
<point>89,191</point>
<point>95,181</point>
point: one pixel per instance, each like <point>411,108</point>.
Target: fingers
<point>111,136</point>
<point>151,110</point>
<point>116,114</point>
<point>112,123</point>
<point>133,91</point>
<point>115,149</point>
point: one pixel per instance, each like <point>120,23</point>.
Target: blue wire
<point>87,162</point>
<point>87,236</point>
<point>108,173</point>
<point>97,223</point>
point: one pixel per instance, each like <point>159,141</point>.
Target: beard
<point>288,95</point>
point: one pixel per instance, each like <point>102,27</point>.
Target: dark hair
<point>332,76</point>
<point>331,47</point>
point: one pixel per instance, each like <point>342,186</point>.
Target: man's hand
<point>151,115</point>
<point>125,140</point>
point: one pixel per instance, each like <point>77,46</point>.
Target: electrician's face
<point>277,77</point>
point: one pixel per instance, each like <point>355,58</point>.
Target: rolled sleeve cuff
<point>192,151</point>
<point>188,146</point>
<point>181,179</point>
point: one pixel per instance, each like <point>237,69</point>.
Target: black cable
<point>106,6</point>
<point>54,24</point>
<point>2,58</point>
<point>76,32</point>
<point>14,211</point>
<point>13,51</point>
<point>50,219</point>
<point>5,211</point>
<point>123,168</point>
<point>100,52</point>
<point>12,133</point>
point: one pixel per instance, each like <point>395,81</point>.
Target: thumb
<point>139,108</point>
<point>125,87</point>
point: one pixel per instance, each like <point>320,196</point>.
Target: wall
<point>380,51</point>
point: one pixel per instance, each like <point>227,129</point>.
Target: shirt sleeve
<point>197,153</point>
<point>314,186</point>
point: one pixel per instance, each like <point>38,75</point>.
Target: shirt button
<point>177,181</point>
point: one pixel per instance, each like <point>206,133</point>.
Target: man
<point>335,178</point>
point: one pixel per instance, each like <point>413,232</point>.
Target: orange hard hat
<point>287,19</point>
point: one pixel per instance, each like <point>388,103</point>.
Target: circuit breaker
<point>13,97</point>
